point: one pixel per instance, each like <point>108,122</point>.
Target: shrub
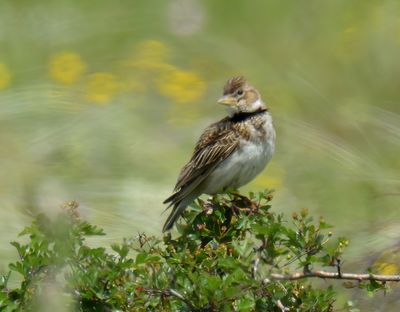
<point>231,253</point>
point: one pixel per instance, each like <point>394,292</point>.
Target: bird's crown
<point>234,84</point>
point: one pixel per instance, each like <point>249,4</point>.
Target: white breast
<point>245,163</point>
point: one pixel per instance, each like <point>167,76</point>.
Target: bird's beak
<point>227,100</point>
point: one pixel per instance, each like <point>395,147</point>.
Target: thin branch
<point>339,267</point>
<point>333,275</point>
<point>281,307</point>
<point>176,294</point>
<point>254,267</point>
<point>170,292</point>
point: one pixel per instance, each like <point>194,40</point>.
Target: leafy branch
<point>230,253</point>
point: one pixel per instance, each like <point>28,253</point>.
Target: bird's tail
<point>177,209</point>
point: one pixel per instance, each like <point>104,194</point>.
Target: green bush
<point>225,257</point>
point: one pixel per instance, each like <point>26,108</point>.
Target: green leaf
<point>213,283</point>
<point>260,229</point>
<point>245,304</point>
<point>373,286</point>
<point>122,250</point>
<point>141,257</point>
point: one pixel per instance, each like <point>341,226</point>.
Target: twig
<point>176,294</point>
<point>333,275</point>
<point>254,268</point>
<point>170,292</point>
<point>281,306</point>
<point>339,267</point>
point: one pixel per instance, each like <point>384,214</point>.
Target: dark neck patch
<point>239,117</point>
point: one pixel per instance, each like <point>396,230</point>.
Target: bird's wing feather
<point>216,143</point>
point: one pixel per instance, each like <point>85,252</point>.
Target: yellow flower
<point>181,86</point>
<point>66,67</point>
<point>101,87</point>
<point>388,262</point>
<point>150,56</point>
<point>387,268</point>
<point>5,76</point>
<point>150,53</point>
<point>148,61</point>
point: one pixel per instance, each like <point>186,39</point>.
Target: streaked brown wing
<point>215,145</point>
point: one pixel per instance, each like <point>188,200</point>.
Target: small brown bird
<point>230,153</point>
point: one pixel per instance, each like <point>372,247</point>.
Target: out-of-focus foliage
<point>5,76</point>
<point>220,260</point>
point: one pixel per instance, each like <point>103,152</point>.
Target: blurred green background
<point>102,102</point>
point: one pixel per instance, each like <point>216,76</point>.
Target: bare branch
<point>170,292</point>
<point>175,293</point>
<point>255,267</point>
<point>333,275</point>
<point>339,267</point>
<point>281,306</point>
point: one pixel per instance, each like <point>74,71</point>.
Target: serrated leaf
<point>260,229</point>
<point>141,257</point>
<point>245,304</point>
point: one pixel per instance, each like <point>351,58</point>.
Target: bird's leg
<point>232,191</point>
<point>212,198</point>
<point>236,194</point>
<point>237,201</point>
<point>241,203</point>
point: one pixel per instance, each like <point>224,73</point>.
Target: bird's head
<point>240,97</point>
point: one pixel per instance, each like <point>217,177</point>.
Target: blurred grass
<point>103,101</point>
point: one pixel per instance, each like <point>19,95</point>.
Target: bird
<point>229,153</point>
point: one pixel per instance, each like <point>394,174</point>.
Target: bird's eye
<point>239,92</point>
